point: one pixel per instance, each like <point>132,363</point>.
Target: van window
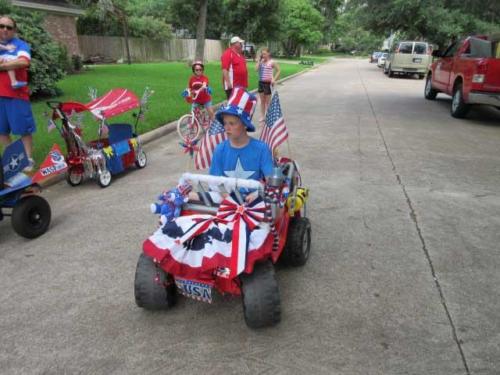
<point>406,48</point>
<point>420,48</point>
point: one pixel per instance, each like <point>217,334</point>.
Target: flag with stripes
<point>274,132</point>
<point>212,138</point>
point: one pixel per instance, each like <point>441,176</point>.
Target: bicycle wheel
<point>188,127</point>
<point>204,120</point>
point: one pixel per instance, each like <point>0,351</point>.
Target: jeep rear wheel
<point>154,289</point>
<point>261,296</point>
<point>459,108</point>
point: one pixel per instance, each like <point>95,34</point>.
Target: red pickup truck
<point>469,71</point>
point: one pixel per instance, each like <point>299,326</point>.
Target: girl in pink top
<point>269,72</point>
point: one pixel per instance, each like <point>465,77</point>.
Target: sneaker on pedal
<point>30,167</point>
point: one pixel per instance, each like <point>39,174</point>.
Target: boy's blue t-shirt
<point>254,161</point>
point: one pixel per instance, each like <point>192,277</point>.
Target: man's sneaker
<point>30,166</point>
<point>19,84</point>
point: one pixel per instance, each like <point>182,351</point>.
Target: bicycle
<point>191,125</point>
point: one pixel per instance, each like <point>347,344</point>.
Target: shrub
<point>77,62</point>
<point>47,65</point>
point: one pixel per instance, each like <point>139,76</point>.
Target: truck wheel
<point>390,73</point>
<point>421,76</point>
<point>73,177</point>
<point>261,296</point>
<point>149,293</point>
<point>31,216</point>
<point>104,178</point>
<point>459,108</point>
<point>429,92</point>
<point>141,159</point>
<point>298,242</point>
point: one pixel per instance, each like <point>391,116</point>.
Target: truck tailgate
<point>492,78</point>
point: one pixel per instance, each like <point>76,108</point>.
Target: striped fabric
<point>266,71</point>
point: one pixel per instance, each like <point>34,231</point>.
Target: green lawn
<point>167,80</point>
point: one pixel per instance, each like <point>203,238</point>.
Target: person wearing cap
<point>16,116</point>
<point>234,66</point>
<point>240,156</point>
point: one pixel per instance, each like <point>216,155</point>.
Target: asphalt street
<point>403,276</point>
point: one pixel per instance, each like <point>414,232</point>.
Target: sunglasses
<point>8,27</point>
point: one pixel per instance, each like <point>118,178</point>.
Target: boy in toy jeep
<point>240,156</point>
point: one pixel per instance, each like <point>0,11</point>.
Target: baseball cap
<point>236,39</point>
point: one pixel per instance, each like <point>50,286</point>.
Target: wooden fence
<point>111,48</point>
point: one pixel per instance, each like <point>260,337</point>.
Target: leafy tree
<point>144,20</point>
<point>434,20</point>
<point>301,25</point>
<point>329,9</point>
<point>184,15</point>
<point>253,20</point>
<point>47,57</point>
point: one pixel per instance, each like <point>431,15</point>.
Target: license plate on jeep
<point>417,60</point>
<point>195,289</point>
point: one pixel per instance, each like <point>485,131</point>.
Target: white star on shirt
<point>239,172</point>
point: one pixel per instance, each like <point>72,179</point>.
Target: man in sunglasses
<point>15,108</point>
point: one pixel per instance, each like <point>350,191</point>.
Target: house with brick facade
<point>60,20</point>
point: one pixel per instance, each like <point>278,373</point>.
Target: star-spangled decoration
<point>239,172</point>
<point>14,162</point>
<point>240,111</point>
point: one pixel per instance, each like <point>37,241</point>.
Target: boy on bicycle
<point>198,89</point>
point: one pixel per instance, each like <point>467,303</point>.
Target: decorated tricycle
<point>222,242</point>
<point>102,158</point>
<point>30,213</point>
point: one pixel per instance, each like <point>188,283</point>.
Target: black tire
<point>390,73</point>
<point>31,216</point>
<point>149,293</point>
<point>141,159</point>
<point>73,178</point>
<point>421,76</point>
<point>104,178</point>
<point>261,296</point>
<point>429,92</point>
<point>298,243</point>
<point>459,108</point>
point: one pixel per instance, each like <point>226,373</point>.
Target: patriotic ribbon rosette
<point>196,246</point>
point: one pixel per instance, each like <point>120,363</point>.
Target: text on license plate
<point>417,60</point>
<point>195,289</point>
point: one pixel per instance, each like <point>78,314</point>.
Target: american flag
<point>274,132</point>
<point>212,138</point>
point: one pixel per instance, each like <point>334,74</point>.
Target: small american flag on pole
<point>212,138</point>
<point>274,132</point>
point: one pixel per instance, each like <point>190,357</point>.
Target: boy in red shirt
<point>199,90</point>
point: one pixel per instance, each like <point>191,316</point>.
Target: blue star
<point>239,172</point>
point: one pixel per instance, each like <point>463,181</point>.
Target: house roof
<point>50,6</point>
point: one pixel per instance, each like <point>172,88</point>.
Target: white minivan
<point>409,57</point>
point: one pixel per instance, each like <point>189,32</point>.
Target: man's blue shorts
<point>16,117</point>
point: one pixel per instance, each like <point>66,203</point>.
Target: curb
<point>168,128</point>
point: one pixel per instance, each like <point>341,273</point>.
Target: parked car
<point>381,59</point>
<point>409,57</point>
<point>469,71</point>
<point>374,56</point>
<point>249,51</point>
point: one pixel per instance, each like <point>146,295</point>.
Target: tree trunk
<point>125,35</point>
<point>200,31</point>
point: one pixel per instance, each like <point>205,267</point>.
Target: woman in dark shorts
<point>269,72</point>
